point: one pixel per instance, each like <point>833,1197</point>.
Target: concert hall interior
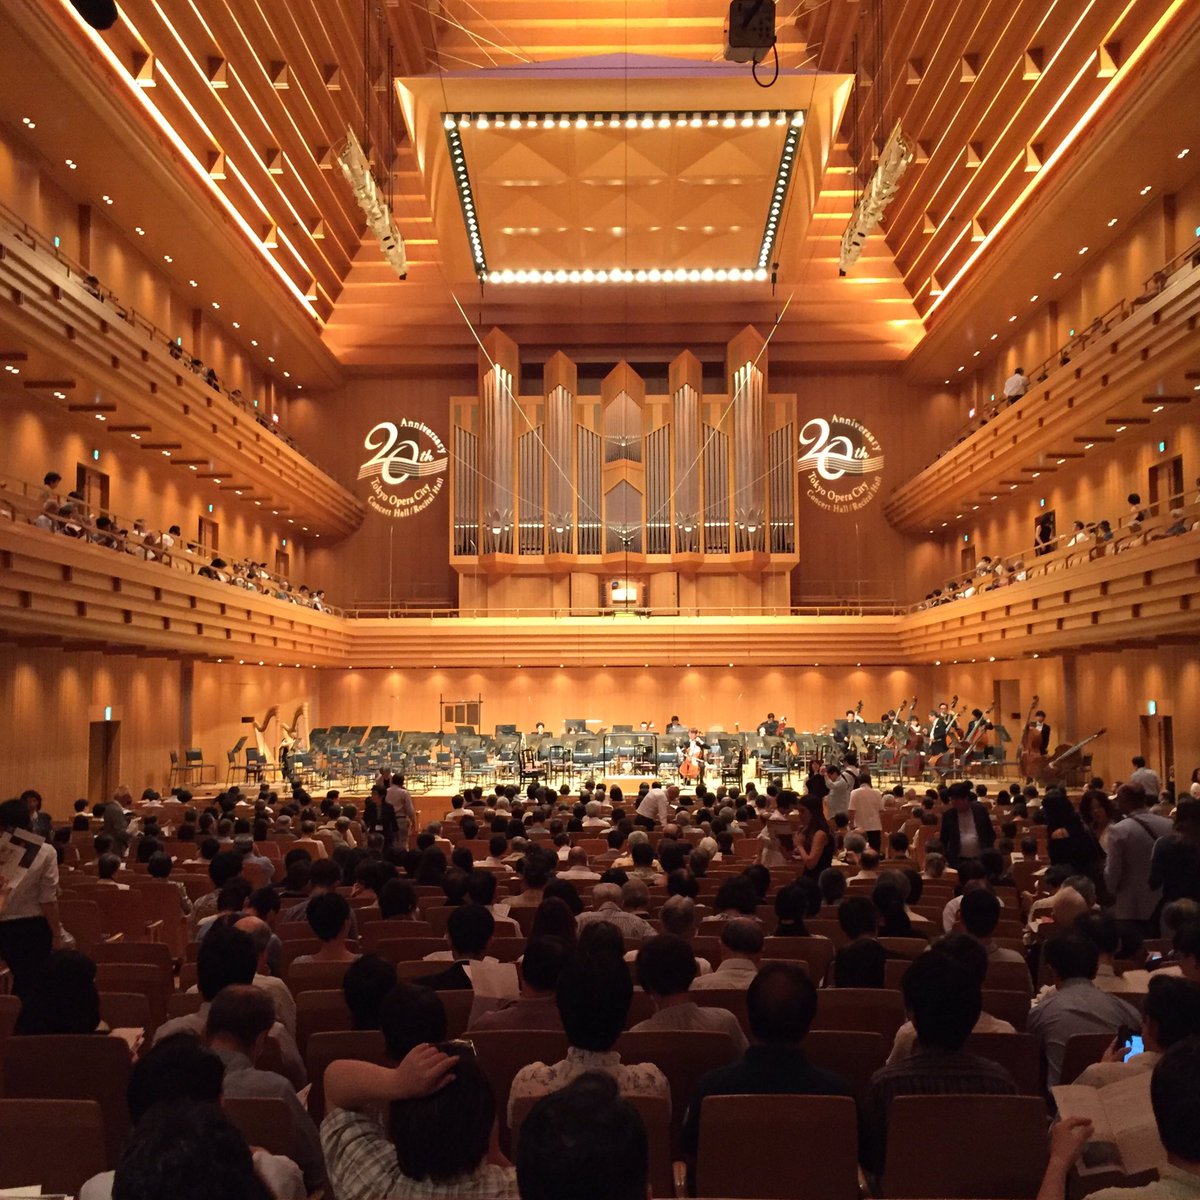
<point>481,374</point>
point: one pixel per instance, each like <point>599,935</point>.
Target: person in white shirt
<point>577,866</point>
<point>1016,385</point>
<point>866,809</point>
<point>654,809</point>
<point>741,950</point>
<point>29,922</point>
<point>401,803</point>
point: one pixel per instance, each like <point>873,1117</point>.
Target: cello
<point>913,760</point>
<point>1033,759</point>
<point>944,763</point>
<point>978,734</point>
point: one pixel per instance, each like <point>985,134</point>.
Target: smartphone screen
<point>1136,1045</point>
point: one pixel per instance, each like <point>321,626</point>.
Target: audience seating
<point>320,1011</point>
<point>143,978</point>
<point>10,1009</point>
<point>371,933</point>
<point>183,1004</point>
<point>458,1010</point>
<point>502,1053</point>
<point>779,1146</point>
<point>853,1055</point>
<point>1018,1053</point>
<point>122,912</point>
<point>264,1121</point>
<point>684,1058</point>
<point>365,1045</point>
<point>156,954</point>
<point>73,1067</point>
<point>734,999</point>
<point>1081,1052</point>
<point>1008,977</point>
<point>126,1010</point>
<point>305,977</point>
<point>1003,1158</point>
<point>872,1010</point>
<point>57,1144</point>
<point>815,952</point>
<point>410,949</point>
<point>1012,1007</point>
<point>81,919</point>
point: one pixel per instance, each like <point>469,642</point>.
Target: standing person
<point>400,801</point>
<point>1175,863</point>
<point>838,798</point>
<point>939,730</point>
<point>814,846</point>
<point>1016,385</point>
<point>866,808</point>
<point>966,826</point>
<point>1127,870</point>
<point>654,809</point>
<point>1143,777</point>
<point>29,921</point>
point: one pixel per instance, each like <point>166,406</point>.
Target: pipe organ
<point>679,502</point>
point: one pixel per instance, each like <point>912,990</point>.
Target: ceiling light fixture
<point>107,199</point>
<point>1056,275</point>
<point>139,231</point>
<point>167,258</point>
<point>1083,249</point>
<point>1184,152</point>
<point>31,124</point>
<point>72,164</point>
<point>1112,221</point>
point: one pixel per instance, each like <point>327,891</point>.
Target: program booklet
<point>1124,1135</point>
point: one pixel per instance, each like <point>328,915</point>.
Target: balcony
<point>1112,384</point>
<point>85,353</point>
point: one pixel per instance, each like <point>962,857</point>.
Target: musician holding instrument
<point>692,766</point>
<point>769,727</point>
<point>941,723</point>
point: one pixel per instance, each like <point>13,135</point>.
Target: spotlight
<point>99,14</point>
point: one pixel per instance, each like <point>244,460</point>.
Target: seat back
<point>734,999</point>
<point>748,1148</point>
<point>656,1118</point>
<point>320,1011</point>
<point>371,933</point>
<point>1003,1158</point>
<point>143,978</point>
<point>1018,1053</point>
<point>86,1066</point>
<point>120,912</point>
<point>365,1045</point>
<point>684,1057</point>
<point>263,1120</point>
<point>871,1010</point>
<point>411,949</point>
<point>458,1010</point>
<point>815,952</point>
<point>855,1056</point>
<point>81,919</point>
<point>56,1143</point>
<point>126,1010</point>
<point>1081,1051</point>
<point>503,1052</point>
<point>1012,1007</point>
<point>1008,977</point>
<point>310,976</point>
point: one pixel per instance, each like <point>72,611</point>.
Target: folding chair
<point>1003,1158</point>
<point>83,1066</point>
<point>58,1144</point>
<point>747,1147</point>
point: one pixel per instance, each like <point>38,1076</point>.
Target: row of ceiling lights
<point>29,123</point>
<point>619,120</point>
<point>1144,191</point>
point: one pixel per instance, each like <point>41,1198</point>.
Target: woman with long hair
<point>814,845</point>
<point>1098,812</point>
<point>1175,862</point>
<point>1070,842</point>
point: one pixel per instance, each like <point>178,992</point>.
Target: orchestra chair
<point>363,1045</point>
<point>870,1010</point>
<point>314,976</point>
<point>852,1054</point>
<point>142,978</point>
<point>126,1010</point>
<point>57,1144</point>
<point>193,760</point>
<point>76,1066</point>
<point>1003,1158</point>
<point>684,1057</point>
<point>320,1011</point>
<point>1012,1007</point>
<point>503,1052</point>
<point>731,999</point>
<point>264,1121</point>
<point>1081,1052</point>
<point>371,933</point>
<point>815,952</point>
<point>748,1147</point>
<point>655,1117</point>
<point>1018,1053</point>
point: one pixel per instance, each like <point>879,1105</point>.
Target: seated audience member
<point>536,1006</point>
<point>366,984</point>
<point>324,877</point>
<point>227,957</point>
<point>584,1142</point>
<point>594,994</point>
<point>481,890</point>
<point>469,933</point>
<point>1102,930</point>
<point>1175,1100</point>
<point>792,904</point>
<point>606,898</point>
<point>780,1006</point>
<point>832,883</point>
<point>860,964</point>
<point>411,1016</point>
<point>224,867</point>
<point>236,1028</point>
<point>857,917</point>
<point>177,1072</point>
<point>1074,1004</point>
<point>577,867</point>
<point>943,1003</point>
<point>980,914</point>
<point>538,867</point>
<point>973,958</point>
<point>436,1139</point>
<point>158,866</point>
<point>262,937</point>
<point>888,899</point>
<point>1171,1013</point>
<point>107,866</point>
<point>188,1151</point>
<point>666,969</point>
<point>398,901</point>
<point>62,997</point>
<point>328,916</point>
<point>741,951</point>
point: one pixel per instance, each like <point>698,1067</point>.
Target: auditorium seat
<point>1018,1053</point>
<point>321,1010</point>
<point>127,1010</point>
<point>503,1052</point>
<point>410,949</point>
<point>1012,1007</point>
<point>1081,1052</point>
<point>85,1066</point>
<point>872,1010</point>
<point>81,919</point>
<point>55,1144</point>
<point>1008,977</point>
<point>733,999</point>
<point>264,1121</point>
<point>778,1146</point>
<point>852,1054</point>
<point>142,978</point>
<point>365,1045</point>
<point>308,976</point>
<point>371,933</point>
<point>1003,1158</point>
<point>815,952</point>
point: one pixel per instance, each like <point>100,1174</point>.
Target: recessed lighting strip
<point>790,119</point>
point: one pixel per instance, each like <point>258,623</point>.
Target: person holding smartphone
<point>1172,1013</point>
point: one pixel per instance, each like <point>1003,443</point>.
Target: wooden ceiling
<point>246,101</point>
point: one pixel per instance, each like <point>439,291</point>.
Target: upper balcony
<point>1123,373</point>
<point>79,348</point>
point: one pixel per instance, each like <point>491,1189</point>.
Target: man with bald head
<point>607,899</point>
<point>280,993</point>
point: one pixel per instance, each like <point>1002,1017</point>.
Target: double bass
<point>1032,760</point>
<point>1060,770</point>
